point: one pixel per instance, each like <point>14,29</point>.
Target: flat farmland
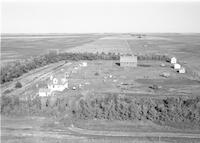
<point>106,45</point>
<point>24,46</point>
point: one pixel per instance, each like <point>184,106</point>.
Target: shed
<point>173,60</point>
<point>177,66</point>
<point>128,60</point>
<point>181,70</point>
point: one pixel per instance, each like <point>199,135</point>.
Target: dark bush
<point>154,87</point>
<point>18,85</point>
<point>96,73</point>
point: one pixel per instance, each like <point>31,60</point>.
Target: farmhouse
<point>173,60</point>
<point>58,83</point>
<point>177,66</point>
<point>128,60</point>
<point>43,92</point>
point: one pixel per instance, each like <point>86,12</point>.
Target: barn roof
<point>128,58</point>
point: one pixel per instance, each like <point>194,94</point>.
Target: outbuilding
<point>181,70</point>
<point>128,60</point>
<point>177,66</point>
<point>173,60</point>
<point>83,64</point>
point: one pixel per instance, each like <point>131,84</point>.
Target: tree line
<point>171,111</point>
<point>167,111</point>
<point>18,68</point>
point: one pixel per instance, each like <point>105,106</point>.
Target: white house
<point>181,70</point>
<point>173,60</point>
<point>58,83</point>
<point>177,66</point>
<point>43,92</point>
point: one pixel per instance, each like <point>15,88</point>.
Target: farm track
<point>26,132</point>
<point>79,133</point>
<point>153,94</point>
<point>134,134</point>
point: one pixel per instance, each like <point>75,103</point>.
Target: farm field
<point>15,47</point>
<point>165,109</point>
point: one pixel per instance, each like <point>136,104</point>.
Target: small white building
<point>181,70</point>
<point>83,64</point>
<point>173,60</point>
<point>58,83</point>
<point>177,66</point>
<point>43,92</point>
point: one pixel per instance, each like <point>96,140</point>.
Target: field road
<point>29,132</point>
<point>134,134</point>
<point>78,133</point>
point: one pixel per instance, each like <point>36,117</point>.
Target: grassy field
<point>24,46</point>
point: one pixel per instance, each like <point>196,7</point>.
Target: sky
<point>95,16</point>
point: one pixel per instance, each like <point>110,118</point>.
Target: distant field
<point>106,45</point>
<point>23,46</point>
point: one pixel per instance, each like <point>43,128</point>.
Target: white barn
<point>173,60</point>
<point>177,66</point>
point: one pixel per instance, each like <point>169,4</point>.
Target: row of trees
<point>167,111</point>
<point>154,57</point>
<point>18,68</point>
<point>164,111</point>
<point>13,105</point>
